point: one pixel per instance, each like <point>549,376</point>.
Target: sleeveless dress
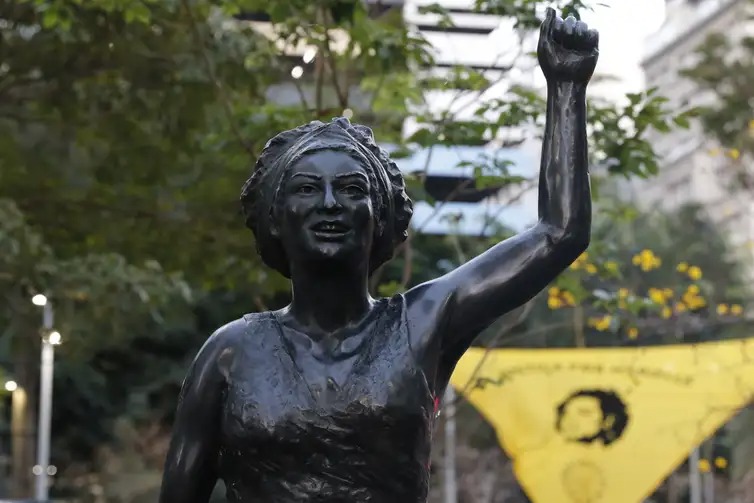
<point>364,439</point>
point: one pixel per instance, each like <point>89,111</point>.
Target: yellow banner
<point>605,425</point>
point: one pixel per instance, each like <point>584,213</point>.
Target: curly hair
<point>610,405</point>
<point>259,195</point>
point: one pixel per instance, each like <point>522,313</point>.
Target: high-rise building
<point>490,45</point>
<point>691,171</point>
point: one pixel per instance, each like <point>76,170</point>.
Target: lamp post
<point>20,459</point>
<point>50,339</point>
<point>450,479</point>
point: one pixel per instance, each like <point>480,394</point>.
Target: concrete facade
<point>692,167</point>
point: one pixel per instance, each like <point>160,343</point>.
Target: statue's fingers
<point>580,29</point>
<point>580,37</point>
<point>593,39</point>
<point>570,25</point>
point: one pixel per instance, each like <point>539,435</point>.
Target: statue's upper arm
<point>190,469</point>
<point>454,309</point>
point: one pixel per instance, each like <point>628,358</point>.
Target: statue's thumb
<point>546,27</point>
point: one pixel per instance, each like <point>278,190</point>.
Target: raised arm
<point>509,274</point>
<point>190,473</point>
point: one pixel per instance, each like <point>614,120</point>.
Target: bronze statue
<point>333,398</point>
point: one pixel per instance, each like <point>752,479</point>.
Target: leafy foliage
<point>724,71</point>
<point>646,279</point>
<point>644,286</point>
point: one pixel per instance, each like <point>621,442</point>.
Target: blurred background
<point>127,128</point>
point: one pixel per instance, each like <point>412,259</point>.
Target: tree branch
<point>224,98</point>
<point>330,59</point>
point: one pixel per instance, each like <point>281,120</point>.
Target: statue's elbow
<point>577,242</point>
<point>571,241</point>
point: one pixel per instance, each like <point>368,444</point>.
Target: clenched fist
<point>567,50</point>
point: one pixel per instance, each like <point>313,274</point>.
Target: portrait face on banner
<point>605,425</point>
<point>592,415</point>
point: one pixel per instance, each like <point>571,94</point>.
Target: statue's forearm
<point>515,270</point>
<point>564,194</point>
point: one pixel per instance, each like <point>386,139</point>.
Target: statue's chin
<point>334,255</point>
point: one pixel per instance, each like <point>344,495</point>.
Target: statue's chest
<point>275,391</point>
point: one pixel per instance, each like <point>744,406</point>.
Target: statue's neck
<point>326,301</point>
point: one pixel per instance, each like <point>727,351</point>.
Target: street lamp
<point>39,300</point>
<point>54,338</point>
<point>50,339</point>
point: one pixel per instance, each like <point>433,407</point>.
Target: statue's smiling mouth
<point>330,228</point>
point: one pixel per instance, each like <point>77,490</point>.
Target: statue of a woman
<point>333,398</point>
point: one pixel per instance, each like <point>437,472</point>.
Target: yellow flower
<point>695,273</point>
<point>554,290</point>
<point>680,307</point>
<point>633,333</point>
<point>734,153</point>
<point>600,324</point>
<point>622,293</point>
<point>751,125</point>
<point>591,269</point>
<point>704,466</point>
<point>651,264</point>
<point>554,302</point>
<point>581,260</point>
<point>682,267</point>
<point>722,309</point>
<point>568,298</point>
<point>721,463</point>
<point>692,299</point>
<point>611,266</point>
<point>666,312</point>
<point>668,292</point>
<point>657,296</point>
<point>604,323</point>
<point>736,310</point>
<point>647,260</point>
<point>696,303</point>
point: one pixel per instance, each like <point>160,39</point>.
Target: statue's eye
<point>305,189</point>
<point>354,189</point>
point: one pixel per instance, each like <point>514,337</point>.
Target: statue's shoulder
<point>226,336</point>
<point>229,338</point>
<point>245,329</point>
<point>235,331</point>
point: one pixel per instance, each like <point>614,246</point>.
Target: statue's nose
<point>330,201</point>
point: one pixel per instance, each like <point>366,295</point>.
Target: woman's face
<point>582,418</point>
<point>325,210</point>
